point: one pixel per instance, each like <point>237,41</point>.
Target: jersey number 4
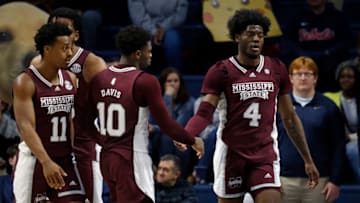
<point>252,113</point>
<point>107,125</point>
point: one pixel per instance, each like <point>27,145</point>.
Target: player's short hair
<point>244,17</point>
<point>65,12</point>
<point>303,61</point>
<point>48,33</point>
<point>131,39</point>
<point>174,158</point>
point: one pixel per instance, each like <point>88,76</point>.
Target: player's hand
<point>53,174</point>
<point>198,146</point>
<point>313,175</point>
<point>331,191</point>
<point>180,146</point>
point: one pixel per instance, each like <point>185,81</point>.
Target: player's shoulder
<point>220,66</point>
<point>273,61</point>
<point>24,82</point>
<point>92,58</point>
<point>146,78</point>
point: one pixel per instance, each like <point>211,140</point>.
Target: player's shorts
<point>30,184</point>
<point>89,169</point>
<point>129,177</point>
<point>235,175</point>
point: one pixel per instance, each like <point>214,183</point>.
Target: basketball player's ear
<point>137,54</point>
<point>237,38</point>
<point>46,48</point>
<point>76,35</point>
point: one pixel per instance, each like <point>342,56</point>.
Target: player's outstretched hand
<point>53,174</point>
<point>198,146</point>
<point>313,175</point>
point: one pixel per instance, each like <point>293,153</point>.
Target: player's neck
<point>128,61</point>
<point>247,61</point>
<point>49,72</point>
<point>75,50</point>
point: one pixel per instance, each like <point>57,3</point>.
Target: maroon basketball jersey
<point>248,101</point>
<point>121,122</point>
<point>52,105</point>
<point>81,120</point>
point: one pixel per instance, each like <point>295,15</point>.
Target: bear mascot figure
<point>19,21</point>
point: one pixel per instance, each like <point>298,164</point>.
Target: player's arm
<point>204,114</point>
<point>148,91</point>
<point>213,84</point>
<point>295,130</point>
<point>23,90</point>
<point>93,64</point>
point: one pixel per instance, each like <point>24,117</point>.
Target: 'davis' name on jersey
<point>110,92</point>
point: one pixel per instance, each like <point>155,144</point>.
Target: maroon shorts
<point>118,173</point>
<point>236,174</point>
<point>34,188</point>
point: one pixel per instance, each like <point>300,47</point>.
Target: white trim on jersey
<point>122,70</point>
<point>45,81</point>
<point>219,163</point>
<point>97,177</point>
<point>143,172</point>
<point>244,70</point>
<point>76,56</point>
<point>23,176</point>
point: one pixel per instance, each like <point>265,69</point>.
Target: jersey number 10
<point>107,122</point>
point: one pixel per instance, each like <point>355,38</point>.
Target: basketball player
<point>124,95</point>
<point>248,88</point>
<point>43,101</point>
<point>84,64</point>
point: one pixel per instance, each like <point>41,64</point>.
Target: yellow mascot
<point>19,22</point>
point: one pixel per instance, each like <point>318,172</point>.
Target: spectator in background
<point>347,99</point>
<point>9,134</point>
<point>180,105</point>
<point>162,18</point>
<point>169,187</point>
<point>324,130</point>
<point>320,31</point>
<point>6,190</point>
